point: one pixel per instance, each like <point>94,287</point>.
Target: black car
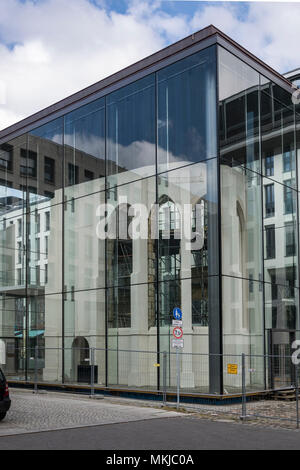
<point>4,396</point>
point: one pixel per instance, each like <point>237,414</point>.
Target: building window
<point>47,221</point>
<point>6,157</point>
<point>290,247</point>
<point>32,190</point>
<point>288,198</point>
<point>37,253</point>
<point>269,165</point>
<point>290,274</point>
<point>269,200</point>
<point>37,223</point>
<point>49,194</point>
<point>7,184</point>
<point>291,317</point>
<point>46,247</point>
<point>46,274</point>
<point>29,274</point>
<point>19,271</point>
<point>37,275</point>
<point>73,174</point>
<point>89,175</point>
<point>19,253</point>
<point>274,287</point>
<point>49,170</point>
<point>20,226</point>
<point>270,242</point>
<point>288,161</point>
<point>251,286</point>
<point>274,317</point>
<point>28,164</point>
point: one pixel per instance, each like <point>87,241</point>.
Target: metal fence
<point>256,388</point>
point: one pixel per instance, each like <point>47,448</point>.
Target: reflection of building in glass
<point>207,125</point>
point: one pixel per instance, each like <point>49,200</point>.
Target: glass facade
<point>259,213</point>
<point>201,156</point>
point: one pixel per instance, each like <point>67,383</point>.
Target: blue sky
<point>52,48</point>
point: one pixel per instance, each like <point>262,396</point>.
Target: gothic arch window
<point>120,267</point>
<point>169,258</point>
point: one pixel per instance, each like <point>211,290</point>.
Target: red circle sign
<point>177,332</point>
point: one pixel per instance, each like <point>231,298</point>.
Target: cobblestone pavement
<point>50,411</point>
<point>274,413</point>
<point>267,413</point>
<point>55,410</point>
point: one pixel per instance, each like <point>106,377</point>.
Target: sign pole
<point>178,377</point>
<point>177,342</point>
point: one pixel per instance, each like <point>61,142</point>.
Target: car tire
<point>2,415</point>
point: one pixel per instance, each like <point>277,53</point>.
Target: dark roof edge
<point>132,69</point>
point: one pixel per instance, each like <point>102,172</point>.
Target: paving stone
<point>49,411</point>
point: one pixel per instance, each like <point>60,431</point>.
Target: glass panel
<point>130,327</point>
<point>281,251</point>
<point>43,164</point>
<point>187,111</point>
<point>84,251</point>
<point>35,335</point>
<point>281,304</point>
<point>44,245</point>
<point>12,180</point>
<point>131,243</point>
<point>13,250</point>
<point>278,94</point>
<point>84,325</point>
<point>50,360</point>
<point>241,222</point>
<point>131,132</point>
<point>238,111</point>
<point>243,329</point>
<point>187,221</point>
<point>278,141</point>
<point>195,299</point>
<point>51,248</point>
<point>85,150</point>
<point>13,334</point>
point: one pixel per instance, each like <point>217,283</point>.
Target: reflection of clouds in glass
<point>137,155</point>
<point>57,138</point>
<point>235,76</point>
<point>141,154</point>
<point>90,144</point>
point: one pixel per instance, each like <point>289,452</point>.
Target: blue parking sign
<point>177,313</point>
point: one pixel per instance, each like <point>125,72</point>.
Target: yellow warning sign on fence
<point>232,369</point>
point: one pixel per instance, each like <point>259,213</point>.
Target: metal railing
<point>183,378</point>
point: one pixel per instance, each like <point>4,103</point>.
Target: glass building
<point>202,123</point>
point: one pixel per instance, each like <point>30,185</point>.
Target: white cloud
<point>61,47</point>
<point>57,47</point>
<point>269,30</point>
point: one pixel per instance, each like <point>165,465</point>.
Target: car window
<point>2,378</point>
